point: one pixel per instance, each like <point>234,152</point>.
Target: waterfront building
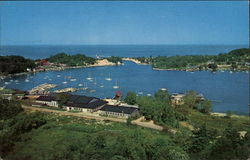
<point>118,111</point>
<point>47,100</point>
<point>177,98</point>
<point>83,103</point>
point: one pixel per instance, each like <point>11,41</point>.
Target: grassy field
<point>60,132</point>
<point>68,137</point>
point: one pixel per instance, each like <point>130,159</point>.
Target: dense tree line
<point>15,64</point>
<point>234,58</point>
<point>160,109</point>
<point>72,60</point>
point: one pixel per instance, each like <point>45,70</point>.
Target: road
<point>138,121</point>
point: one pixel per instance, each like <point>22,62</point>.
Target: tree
<point>130,98</point>
<point>162,95</point>
<point>230,145</point>
<point>201,138</point>
<point>62,98</point>
<point>205,106</point>
<point>190,99</point>
<point>9,109</point>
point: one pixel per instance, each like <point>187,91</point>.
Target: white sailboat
<point>26,80</point>
<point>89,77</point>
<point>85,86</point>
<point>95,81</point>
<point>64,82</point>
<point>108,78</point>
<point>6,82</point>
<point>116,86</point>
<point>102,85</point>
<point>72,80</point>
<point>80,85</point>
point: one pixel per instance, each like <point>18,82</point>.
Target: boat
<point>108,78</point>
<point>16,81</point>
<point>163,89</point>
<point>149,95</point>
<point>231,72</point>
<point>85,86</point>
<point>26,80</point>
<point>89,77</point>
<point>64,82</point>
<point>116,86</point>
<point>91,91</point>
<point>95,81</point>
<point>79,85</point>
<point>72,80</point>
<point>140,92</point>
<point>6,82</point>
<point>58,75</point>
<point>102,85</point>
<point>11,80</point>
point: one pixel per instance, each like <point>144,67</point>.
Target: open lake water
<point>228,91</point>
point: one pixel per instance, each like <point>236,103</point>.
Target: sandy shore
<point>134,60</point>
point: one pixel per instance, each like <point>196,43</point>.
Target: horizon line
<point>113,44</point>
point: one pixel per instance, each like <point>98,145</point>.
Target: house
<point>118,111</point>
<point>83,103</point>
<point>47,100</point>
<point>177,98</point>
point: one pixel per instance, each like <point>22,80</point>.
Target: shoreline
<point>100,63</point>
<point>175,69</point>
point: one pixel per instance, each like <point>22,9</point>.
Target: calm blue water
<point>44,51</point>
<point>229,91</point>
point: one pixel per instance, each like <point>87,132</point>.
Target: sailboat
<point>89,77</point>
<point>73,80</point>
<point>95,81</point>
<point>116,86</point>
<point>108,78</point>
<point>79,85</point>
<point>102,85</point>
<point>85,86</point>
<point>64,82</point>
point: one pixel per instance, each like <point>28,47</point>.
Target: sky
<point>123,22</point>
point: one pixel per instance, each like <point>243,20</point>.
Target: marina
<point>229,91</point>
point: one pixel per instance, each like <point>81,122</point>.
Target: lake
<point>228,91</point>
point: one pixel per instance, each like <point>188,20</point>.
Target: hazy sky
<point>123,22</point>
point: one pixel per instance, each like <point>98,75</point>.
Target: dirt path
<point>81,115</point>
<point>140,121</point>
<point>150,124</point>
